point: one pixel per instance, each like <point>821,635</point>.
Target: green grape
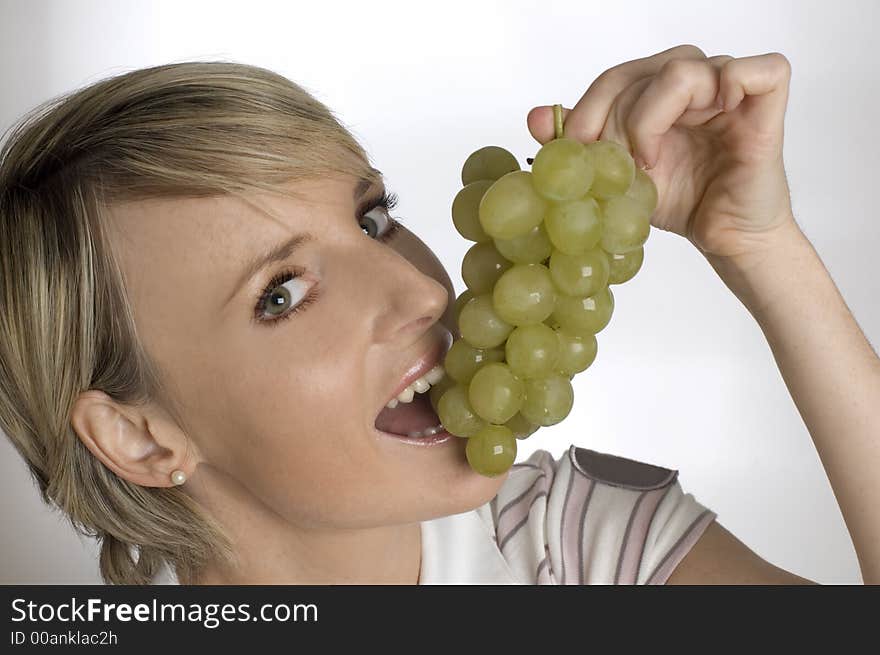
<point>495,393</point>
<point>480,325</point>
<point>562,170</point>
<point>463,360</point>
<point>580,275</point>
<point>531,248</point>
<point>488,163</point>
<point>549,243</point>
<point>511,207</point>
<point>589,315</point>
<point>626,224</point>
<point>463,297</point>
<point>520,427</point>
<point>456,414</point>
<point>531,351</point>
<point>625,266</point>
<point>481,267</point>
<point>574,226</point>
<point>548,400</point>
<point>465,211</point>
<point>644,191</point>
<point>524,294</point>
<point>614,169</point>
<point>437,390</point>
<point>576,352</point>
<point>492,450</point>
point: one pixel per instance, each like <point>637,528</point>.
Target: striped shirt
<point>586,518</point>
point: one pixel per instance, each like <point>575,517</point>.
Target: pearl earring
<point>178,477</point>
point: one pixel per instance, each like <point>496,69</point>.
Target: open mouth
<point>409,415</point>
<point>415,419</point>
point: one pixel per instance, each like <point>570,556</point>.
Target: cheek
<point>290,407</point>
<point>312,404</point>
<point>299,448</point>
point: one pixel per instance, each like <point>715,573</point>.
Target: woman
<point>205,305</point>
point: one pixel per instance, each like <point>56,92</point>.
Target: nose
<point>409,300</point>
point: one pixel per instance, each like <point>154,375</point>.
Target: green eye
<point>381,231</point>
<point>285,294</point>
<point>278,301</point>
<point>368,225</point>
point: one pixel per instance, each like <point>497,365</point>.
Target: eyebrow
<point>286,248</point>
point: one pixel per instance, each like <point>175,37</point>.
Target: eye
<point>376,222</point>
<point>286,294</point>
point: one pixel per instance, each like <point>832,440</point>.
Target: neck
<point>271,550</point>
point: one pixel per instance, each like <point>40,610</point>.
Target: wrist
<point>757,276</point>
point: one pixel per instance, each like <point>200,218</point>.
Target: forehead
<point>224,228</point>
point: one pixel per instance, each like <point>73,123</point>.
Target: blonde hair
<point>66,325</point>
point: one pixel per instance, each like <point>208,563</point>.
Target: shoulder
<point>589,517</point>
<point>620,471</point>
<point>603,468</point>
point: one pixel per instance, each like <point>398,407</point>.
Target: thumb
<point>540,123</point>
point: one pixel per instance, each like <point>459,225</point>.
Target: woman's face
<point>287,408</point>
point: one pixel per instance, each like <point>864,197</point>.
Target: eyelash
<point>386,201</point>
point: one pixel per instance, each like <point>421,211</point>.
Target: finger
<point>540,123</point>
<point>589,114</point>
<point>681,85</point>
<point>700,116</point>
<point>627,99</point>
<point>615,129</point>
<point>591,111</point>
<point>764,79</point>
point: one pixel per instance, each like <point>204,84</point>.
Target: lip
<point>422,365</point>
<point>433,440</point>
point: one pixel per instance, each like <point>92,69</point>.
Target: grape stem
<point>558,127</point>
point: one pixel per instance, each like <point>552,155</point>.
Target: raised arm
<point>830,370</point>
<point>709,132</point>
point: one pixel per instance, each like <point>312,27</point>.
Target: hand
<point>719,172</point>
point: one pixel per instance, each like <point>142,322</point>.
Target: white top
<point>586,518</point>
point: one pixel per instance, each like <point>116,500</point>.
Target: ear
<point>139,444</point>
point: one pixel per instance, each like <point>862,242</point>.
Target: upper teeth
<point>420,385</point>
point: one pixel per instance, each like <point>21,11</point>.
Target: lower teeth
<point>427,432</point>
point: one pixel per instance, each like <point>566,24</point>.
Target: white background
<point>684,377</point>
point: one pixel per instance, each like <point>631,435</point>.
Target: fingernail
<point>641,163</point>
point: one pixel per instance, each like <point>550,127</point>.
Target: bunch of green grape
<point>548,243</point>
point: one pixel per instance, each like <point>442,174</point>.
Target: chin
<point>469,491</point>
